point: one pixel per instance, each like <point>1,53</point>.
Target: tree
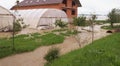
<point>94,17</point>
<point>113,17</point>
<point>92,20</point>
<point>17,26</point>
<point>79,21</point>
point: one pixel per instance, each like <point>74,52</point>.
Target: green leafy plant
<point>61,23</point>
<point>79,21</point>
<point>17,26</point>
<point>52,54</point>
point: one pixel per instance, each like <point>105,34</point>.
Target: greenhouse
<point>36,18</point>
<point>6,19</point>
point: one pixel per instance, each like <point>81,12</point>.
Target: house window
<point>65,2</point>
<point>73,3</point>
<point>73,12</point>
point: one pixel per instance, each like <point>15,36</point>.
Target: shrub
<point>52,54</point>
<point>60,23</point>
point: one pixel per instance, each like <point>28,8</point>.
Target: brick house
<point>68,6</point>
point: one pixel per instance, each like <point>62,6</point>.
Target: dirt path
<point>35,58</point>
<point>5,34</point>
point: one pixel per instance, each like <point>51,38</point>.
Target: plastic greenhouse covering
<point>35,18</point>
<point>6,19</point>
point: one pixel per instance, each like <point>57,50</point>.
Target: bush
<point>52,54</point>
<point>60,23</point>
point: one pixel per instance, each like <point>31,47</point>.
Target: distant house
<point>68,6</point>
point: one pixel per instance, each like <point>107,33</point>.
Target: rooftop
<point>43,2</point>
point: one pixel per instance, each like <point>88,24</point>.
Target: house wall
<point>68,7</point>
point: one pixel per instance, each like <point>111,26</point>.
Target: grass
<point>100,22</point>
<point>103,52</point>
<point>69,33</point>
<point>26,43</point>
<point>60,30</point>
<point>66,32</point>
<point>110,28</point>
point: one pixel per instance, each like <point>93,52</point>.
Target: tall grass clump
<point>52,54</point>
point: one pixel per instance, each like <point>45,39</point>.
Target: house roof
<point>43,2</point>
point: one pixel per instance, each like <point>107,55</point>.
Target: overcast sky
<point>98,6</point>
<point>88,6</point>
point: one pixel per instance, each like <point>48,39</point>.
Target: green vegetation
<point>52,54</point>
<point>61,23</point>
<point>110,28</point>
<point>69,33</point>
<point>25,43</point>
<point>113,17</point>
<point>66,32</point>
<point>51,38</point>
<point>94,17</point>
<point>100,22</point>
<point>79,21</point>
<point>103,52</point>
<point>17,26</point>
<point>60,30</point>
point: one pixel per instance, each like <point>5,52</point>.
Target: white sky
<point>88,6</point>
<point>98,6</point>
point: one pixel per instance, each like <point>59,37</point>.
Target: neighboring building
<point>6,19</point>
<point>68,6</point>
